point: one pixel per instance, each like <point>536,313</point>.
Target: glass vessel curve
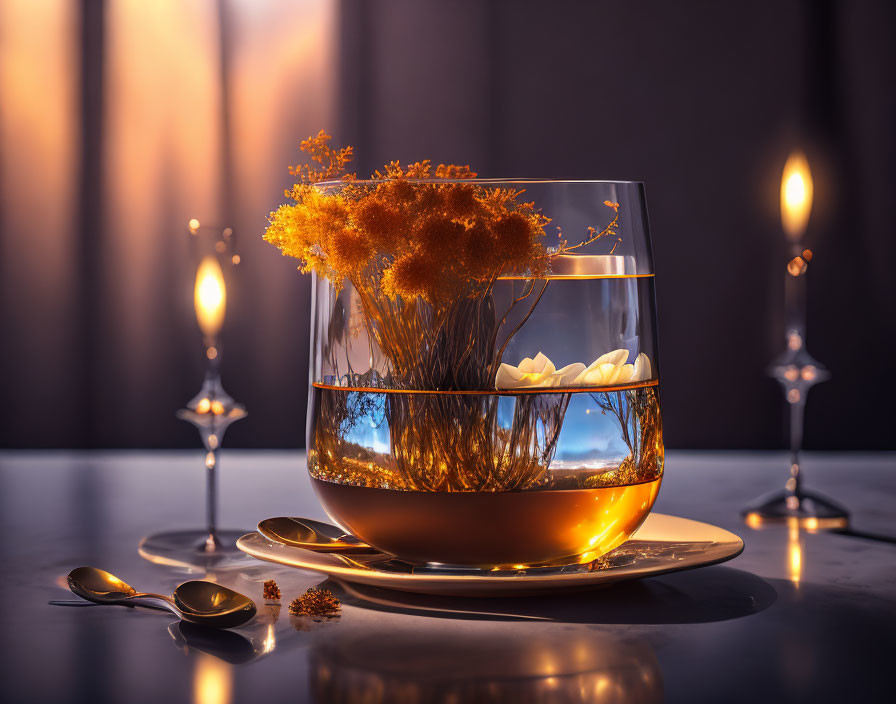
<point>526,428</point>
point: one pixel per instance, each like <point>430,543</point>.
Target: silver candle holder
<point>795,369</point>
<point>211,411</point>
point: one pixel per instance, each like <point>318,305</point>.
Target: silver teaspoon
<point>199,602</point>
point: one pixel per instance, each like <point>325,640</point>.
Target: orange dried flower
<point>380,221</point>
<point>418,239</point>
<point>513,236</point>
<point>454,171</point>
<point>412,232</point>
<point>315,602</point>
<point>271,591</point>
<point>410,276</point>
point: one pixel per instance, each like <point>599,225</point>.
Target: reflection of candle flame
<point>212,682</point>
<point>794,552</point>
<point>796,195</point>
<point>209,296</point>
<point>270,641</point>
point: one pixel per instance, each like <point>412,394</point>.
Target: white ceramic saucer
<point>662,544</point>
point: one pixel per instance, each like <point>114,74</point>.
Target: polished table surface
<point>798,617</point>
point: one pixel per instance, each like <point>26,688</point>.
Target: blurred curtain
<point>38,244</point>
<point>119,121</point>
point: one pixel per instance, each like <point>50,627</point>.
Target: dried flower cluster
<point>419,237</point>
<point>422,247</point>
<point>271,591</point>
<point>315,602</point>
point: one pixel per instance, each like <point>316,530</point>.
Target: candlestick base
<point>808,509</point>
<point>193,549</point>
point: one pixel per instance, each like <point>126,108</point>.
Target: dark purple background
<point>702,101</point>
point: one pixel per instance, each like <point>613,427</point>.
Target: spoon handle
<point>166,601</point>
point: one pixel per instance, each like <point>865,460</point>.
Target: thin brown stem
<point>498,357</point>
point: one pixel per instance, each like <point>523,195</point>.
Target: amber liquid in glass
<point>511,529</point>
<point>487,478</point>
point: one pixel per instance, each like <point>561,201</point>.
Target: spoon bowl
<point>312,535</point>
<point>99,586</point>
<point>205,602</point>
<point>199,602</point>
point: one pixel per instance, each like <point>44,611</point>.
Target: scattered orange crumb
<point>315,602</point>
<point>271,591</point>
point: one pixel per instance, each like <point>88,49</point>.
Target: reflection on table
<point>401,665</point>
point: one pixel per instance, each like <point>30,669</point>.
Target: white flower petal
<point>509,377</point>
<point>581,378</point>
<point>569,373</point>
<point>540,372</point>
<point>595,375</point>
<point>642,370</point>
<point>625,374</point>
<point>542,365</point>
<point>616,357</point>
<point>609,373</point>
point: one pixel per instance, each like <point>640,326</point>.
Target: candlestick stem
<point>212,542</point>
<point>797,372</point>
<point>797,418</point>
<point>795,301</point>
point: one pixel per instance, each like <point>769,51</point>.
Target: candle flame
<point>209,296</point>
<point>796,195</point>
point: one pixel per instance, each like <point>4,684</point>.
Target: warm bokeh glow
<point>796,266</point>
<point>39,167</point>
<point>212,681</point>
<point>794,551</point>
<point>796,195</point>
<point>210,297</point>
<point>270,640</point>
